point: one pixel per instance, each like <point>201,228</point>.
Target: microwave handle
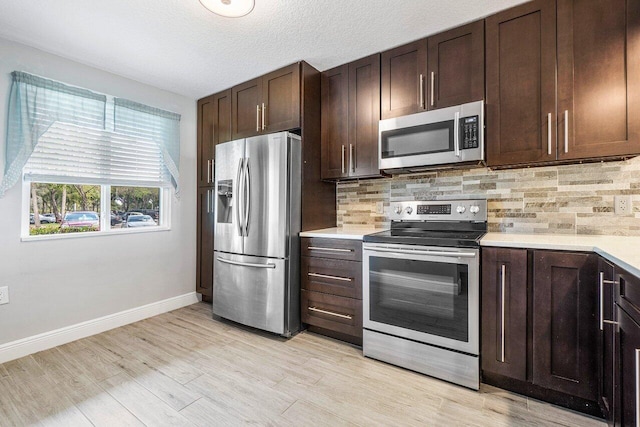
<point>456,134</point>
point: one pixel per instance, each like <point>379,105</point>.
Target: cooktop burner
<point>453,223</point>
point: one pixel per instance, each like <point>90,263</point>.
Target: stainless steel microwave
<point>433,138</point>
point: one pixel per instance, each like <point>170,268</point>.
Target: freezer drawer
<point>251,290</point>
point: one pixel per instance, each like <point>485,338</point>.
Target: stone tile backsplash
<point>569,199</point>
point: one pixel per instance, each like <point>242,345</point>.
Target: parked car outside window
<point>81,219</point>
<point>134,221</point>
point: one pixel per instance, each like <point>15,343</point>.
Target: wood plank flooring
<point>184,368</point>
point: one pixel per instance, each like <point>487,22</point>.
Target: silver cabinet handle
<point>238,197</point>
<point>208,171</point>
<point>421,94</point>
<point>433,84</point>
<point>456,134</point>
<point>326,276</point>
<point>602,283</point>
<point>566,131</point>
<point>247,189</point>
<point>257,118</point>
<point>342,168</point>
<point>331,313</point>
<point>246,264</point>
<point>208,200</point>
<point>637,387</point>
<point>264,123</point>
<point>503,280</point>
<point>549,133</point>
<point>316,248</point>
<point>352,163</point>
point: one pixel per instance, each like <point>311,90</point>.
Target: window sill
<point>90,234</point>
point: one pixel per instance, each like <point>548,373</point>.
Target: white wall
<point>53,284</point>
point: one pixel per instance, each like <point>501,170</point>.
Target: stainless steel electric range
<point>421,289</point>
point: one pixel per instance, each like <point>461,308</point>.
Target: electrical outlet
<point>379,208</point>
<point>622,205</point>
<point>4,295</point>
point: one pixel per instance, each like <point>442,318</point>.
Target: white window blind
<point>62,133</point>
<point>68,153</point>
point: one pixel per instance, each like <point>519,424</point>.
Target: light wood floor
<point>183,368</point>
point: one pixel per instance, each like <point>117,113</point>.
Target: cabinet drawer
<point>332,276</point>
<point>628,295</point>
<point>350,250</point>
<point>332,312</point>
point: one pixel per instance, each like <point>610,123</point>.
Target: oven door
<point>426,294</point>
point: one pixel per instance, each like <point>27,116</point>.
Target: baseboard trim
<point>25,346</point>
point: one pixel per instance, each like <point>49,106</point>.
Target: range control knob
<point>474,209</point>
<point>398,209</point>
<point>409,210</point>
<point>461,209</point>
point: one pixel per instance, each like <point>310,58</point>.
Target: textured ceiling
<point>180,46</point>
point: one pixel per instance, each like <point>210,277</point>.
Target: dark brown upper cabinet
<point>504,312</point>
<point>404,70</point>
<point>334,122</point>
<point>565,323</point>
<point>270,103</point>
<point>456,66</point>
<point>595,54</point>
<point>350,116</point>
<point>520,79</point>
<point>598,78</point>
<point>221,117</point>
<point>205,144</point>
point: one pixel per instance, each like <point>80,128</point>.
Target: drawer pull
<point>315,248</point>
<point>330,313</point>
<point>325,276</point>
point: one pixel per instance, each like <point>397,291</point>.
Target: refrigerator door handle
<point>247,189</point>
<point>246,264</point>
<point>238,196</point>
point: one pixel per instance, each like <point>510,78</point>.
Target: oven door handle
<point>421,252</point>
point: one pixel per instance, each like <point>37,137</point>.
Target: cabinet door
<point>222,117</point>
<point>404,71</point>
<point>504,312</point>
<point>205,225</point>
<point>280,104</point>
<point>334,122</point>
<point>245,109</point>
<point>521,71</point>
<point>206,118</point>
<point>629,370</point>
<point>456,66</point>
<point>565,323</point>
<point>606,350</point>
<point>597,70</point>
<point>364,116</point>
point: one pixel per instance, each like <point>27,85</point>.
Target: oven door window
<point>424,296</point>
<point>415,140</point>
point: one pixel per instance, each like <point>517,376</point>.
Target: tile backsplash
<point>569,199</point>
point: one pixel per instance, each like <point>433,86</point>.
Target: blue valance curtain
<point>55,124</point>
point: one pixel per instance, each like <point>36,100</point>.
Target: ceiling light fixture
<point>229,8</point>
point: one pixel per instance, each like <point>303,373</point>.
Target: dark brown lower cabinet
<point>628,370</point>
<point>504,312</point>
<point>331,287</point>
<point>540,328</point>
<point>206,225</point>
<point>565,323</point>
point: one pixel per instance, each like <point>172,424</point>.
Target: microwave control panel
<point>469,132</point>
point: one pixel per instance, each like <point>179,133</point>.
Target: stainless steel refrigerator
<point>256,260</point>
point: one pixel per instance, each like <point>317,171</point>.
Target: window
<point>89,162</point>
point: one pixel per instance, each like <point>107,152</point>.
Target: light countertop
<point>350,233</point>
<point>623,251</point>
